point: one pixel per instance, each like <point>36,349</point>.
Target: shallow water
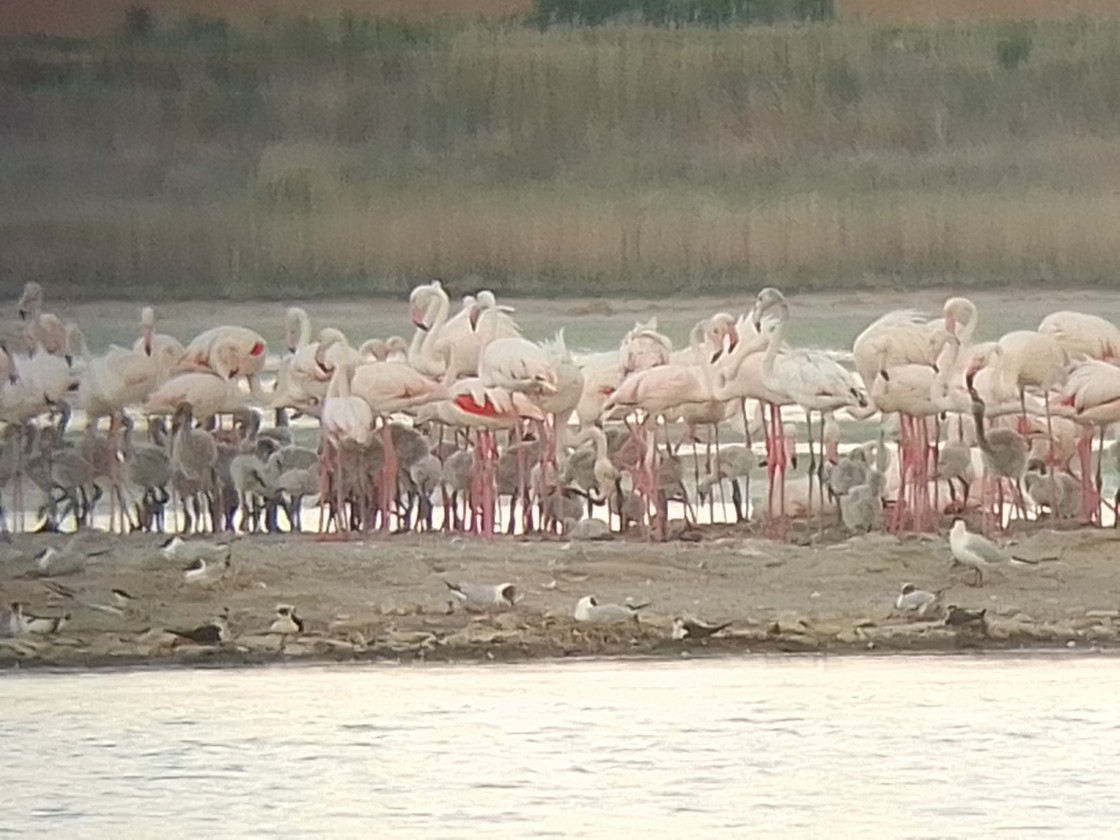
<point>930,746</point>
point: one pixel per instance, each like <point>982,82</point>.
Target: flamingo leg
<point>388,491</point>
<point>812,462</point>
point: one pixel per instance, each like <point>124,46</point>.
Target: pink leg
<point>388,475</point>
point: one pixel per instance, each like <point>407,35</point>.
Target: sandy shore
<point>384,598</point>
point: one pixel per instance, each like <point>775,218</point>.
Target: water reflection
<point>902,746</point>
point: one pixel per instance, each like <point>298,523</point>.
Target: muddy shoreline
<point>384,599</point>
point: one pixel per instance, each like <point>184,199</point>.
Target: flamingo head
<point>769,298</point>
<point>473,315</point>
<point>416,314</point>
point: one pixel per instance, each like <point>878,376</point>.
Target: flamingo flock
<point>470,412</point>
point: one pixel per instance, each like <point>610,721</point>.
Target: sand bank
<point>385,598</point>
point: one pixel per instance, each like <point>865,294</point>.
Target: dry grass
<point>624,159</point>
<point>910,11</point>
<point>66,18</point>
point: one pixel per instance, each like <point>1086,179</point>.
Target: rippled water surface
<point>875,747</point>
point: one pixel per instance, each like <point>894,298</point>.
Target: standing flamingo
<point>347,423</point>
<point>808,377</point>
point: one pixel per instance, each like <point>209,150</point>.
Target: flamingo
<point>162,346</point>
<point>1005,453</point>
<point>297,328</point>
<point>451,348</point>
<point>229,351</point>
<point>389,387</point>
<point>660,390</point>
<point>207,393</point>
<point>1079,334</point>
<point>898,338</point>
<point>119,377</point>
<point>472,405</point>
<point>644,347</point>
<point>1091,398</point>
<point>347,423</point>
<point>807,377</point>
<point>1032,360</point>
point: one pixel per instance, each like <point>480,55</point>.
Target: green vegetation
<point>310,158</point>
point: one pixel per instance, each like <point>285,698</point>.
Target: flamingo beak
<point>732,339</point>
<point>474,316</point>
<point>147,341</point>
<point>418,319</point>
<point>950,325</point>
<point>756,319</point>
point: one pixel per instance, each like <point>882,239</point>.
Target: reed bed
<point>358,156</point>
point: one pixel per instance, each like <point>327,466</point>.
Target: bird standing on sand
<point>479,597</point>
<point>918,601</point>
<point>694,629</point>
<point>287,622</point>
<point>589,610</point>
<point>978,552</point>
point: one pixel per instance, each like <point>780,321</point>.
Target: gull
<point>60,590</point>
<point>479,597</point>
<point>122,599</point>
<point>919,601</point>
<point>590,610</point>
<point>179,550</point>
<point>204,573</point>
<point>213,632</point>
<point>286,622</point>
<point>978,552</point>
<point>54,562</point>
<point>691,628</point>
<point>958,617</point>
<point>43,625</point>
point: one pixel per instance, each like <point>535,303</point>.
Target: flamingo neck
<point>427,350</point>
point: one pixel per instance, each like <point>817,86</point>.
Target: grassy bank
<point>310,158</point>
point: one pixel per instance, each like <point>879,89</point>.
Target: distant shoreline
<point>229,658</point>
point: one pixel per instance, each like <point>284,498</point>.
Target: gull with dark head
<point>287,622</point>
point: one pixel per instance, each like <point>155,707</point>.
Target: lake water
<point>907,746</point>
